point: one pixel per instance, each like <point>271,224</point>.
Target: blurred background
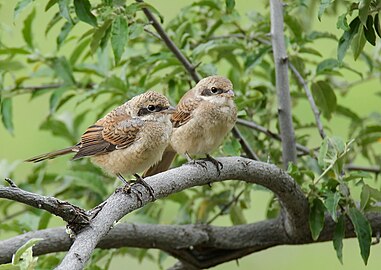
<point>28,140</point>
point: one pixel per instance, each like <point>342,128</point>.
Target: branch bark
<point>282,83</point>
<point>292,199</point>
<point>72,214</point>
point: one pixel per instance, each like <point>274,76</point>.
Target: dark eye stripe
<point>144,111</point>
<point>208,92</point>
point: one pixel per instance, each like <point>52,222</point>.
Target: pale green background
<point>28,141</point>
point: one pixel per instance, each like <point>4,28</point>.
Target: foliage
<point>105,53</point>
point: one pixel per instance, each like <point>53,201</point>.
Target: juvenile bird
<point>127,140</point>
<point>203,117</point>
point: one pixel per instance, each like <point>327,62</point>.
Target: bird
<point>203,117</point>
<point>127,140</point>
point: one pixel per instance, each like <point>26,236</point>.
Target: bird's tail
<point>162,165</point>
<point>51,155</point>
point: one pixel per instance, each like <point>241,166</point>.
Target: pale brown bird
<point>203,117</point>
<point>127,140</point>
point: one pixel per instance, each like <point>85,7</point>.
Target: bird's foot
<point>218,164</point>
<point>192,161</point>
<point>127,186</point>
<point>140,180</point>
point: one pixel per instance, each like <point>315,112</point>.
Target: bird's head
<point>151,105</point>
<point>215,89</point>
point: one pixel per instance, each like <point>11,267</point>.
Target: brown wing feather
<point>184,109</point>
<point>117,130</point>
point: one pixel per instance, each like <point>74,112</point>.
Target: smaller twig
<point>10,182</point>
<point>311,100</point>
<point>354,167</point>
<point>255,126</point>
<point>171,46</point>
<point>152,33</point>
<point>226,207</point>
<point>246,148</point>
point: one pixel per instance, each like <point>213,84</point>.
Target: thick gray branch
<point>186,242</point>
<point>119,204</point>
<point>282,83</point>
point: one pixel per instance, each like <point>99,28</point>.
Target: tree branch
<point>255,126</point>
<point>170,44</point>
<point>73,215</point>
<point>199,246</point>
<point>292,199</point>
<point>311,100</point>
<point>282,83</point>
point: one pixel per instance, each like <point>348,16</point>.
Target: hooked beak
<point>230,93</point>
<point>170,110</point>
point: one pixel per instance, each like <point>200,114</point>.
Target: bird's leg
<point>218,164</point>
<point>127,186</point>
<point>192,161</point>
<point>141,181</point>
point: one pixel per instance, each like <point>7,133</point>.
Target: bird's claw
<point>140,180</point>
<point>218,164</point>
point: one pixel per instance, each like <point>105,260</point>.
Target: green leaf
<point>324,97</point>
<point>327,65</point>
<point>331,203</point>
<point>323,152</point>
<point>324,4</point>
<point>50,4</point>
<point>135,30</point>
<point>363,232</point>
<point>316,218</point>
<point>16,258</point>
<point>63,70</point>
<point>364,197</point>
<point>20,6</point>
<point>55,98</point>
<point>342,22</point>
<point>44,220</point>
<point>338,236</point>
<point>7,115</point>
<point>369,31</point>
<point>27,29</point>
<point>346,39</point>
<point>65,10</point>
<point>377,24</point>
<point>236,215</point>
<point>230,4</point>
<point>364,10</point>
<point>83,10</point>
<point>99,34</point>
<point>358,43</point>
<point>9,266</point>
<point>119,37</point>
<point>65,30</point>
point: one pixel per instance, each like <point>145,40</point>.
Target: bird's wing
<point>108,134</point>
<point>184,110</point>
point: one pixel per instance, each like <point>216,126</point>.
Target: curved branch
<point>294,203</point>
<point>282,83</point>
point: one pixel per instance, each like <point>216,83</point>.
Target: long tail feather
<point>162,165</point>
<point>51,155</point>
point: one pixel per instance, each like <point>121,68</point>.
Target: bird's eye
<point>214,90</point>
<point>151,108</point>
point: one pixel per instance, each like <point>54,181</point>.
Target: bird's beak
<point>230,93</point>
<point>170,110</point>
